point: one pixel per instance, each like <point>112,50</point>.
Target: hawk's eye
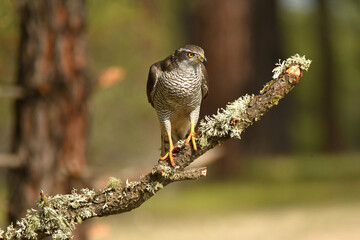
<point>190,54</point>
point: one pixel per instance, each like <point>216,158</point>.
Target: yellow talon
<point>164,157</point>
<point>192,136</point>
<point>169,153</point>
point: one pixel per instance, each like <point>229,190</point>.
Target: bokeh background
<point>294,175</point>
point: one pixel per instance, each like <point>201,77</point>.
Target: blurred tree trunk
<point>222,28</point>
<point>51,122</point>
<point>332,136</point>
<point>241,42</point>
<point>271,136</point>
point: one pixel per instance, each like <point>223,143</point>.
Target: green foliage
<point>300,34</point>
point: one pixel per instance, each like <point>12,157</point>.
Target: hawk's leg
<point>192,136</point>
<point>170,152</point>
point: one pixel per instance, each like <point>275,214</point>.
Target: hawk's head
<point>189,56</point>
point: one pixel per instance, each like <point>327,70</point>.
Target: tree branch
<point>11,161</point>
<point>12,91</point>
<point>58,215</point>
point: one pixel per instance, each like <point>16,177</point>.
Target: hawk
<point>176,87</point>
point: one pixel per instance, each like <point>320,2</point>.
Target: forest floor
<point>279,198</point>
<point>329,222</point>
<point>276,198</point>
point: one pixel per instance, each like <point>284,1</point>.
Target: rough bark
<point>51,118</point>
<point>58,215</point>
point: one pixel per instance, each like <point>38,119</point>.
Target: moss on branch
<point>58,215</point>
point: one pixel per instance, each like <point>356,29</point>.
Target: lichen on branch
<point>237,115</point>
<point>58,215</point>
<point>224,123</point>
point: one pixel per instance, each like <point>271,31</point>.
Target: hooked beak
<point>202,59</point>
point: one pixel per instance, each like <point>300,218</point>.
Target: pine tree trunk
<point>333,139</point>
<point>237,36</point>
<point>272,135</point>
<point>51,121</point>
<point>222,28</point>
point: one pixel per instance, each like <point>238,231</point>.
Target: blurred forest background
<point>299,166</point>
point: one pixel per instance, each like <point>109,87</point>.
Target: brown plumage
<point>176,87</point>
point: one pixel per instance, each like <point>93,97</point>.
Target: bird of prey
<point>175,88</point>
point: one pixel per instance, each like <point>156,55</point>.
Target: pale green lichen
<point>50,219</point>
<point>10,232</point>
<point>113,183</point>
<point>87,213</point>
<point>154,186</point>
<point>296,59</point>
<point>131,184</point>
<point>75,200</point>
<point>54,223</point>
<point>219,125</point>
<point>180,143</point>
<point>166,171</point>
<point>303,63</point>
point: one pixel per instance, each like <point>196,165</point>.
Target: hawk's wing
<point>152,82</point>
<point>204,81</point>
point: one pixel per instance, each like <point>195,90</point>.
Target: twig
<point>12,91</point>
<point>58,215</point>
<point>10,161</point>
